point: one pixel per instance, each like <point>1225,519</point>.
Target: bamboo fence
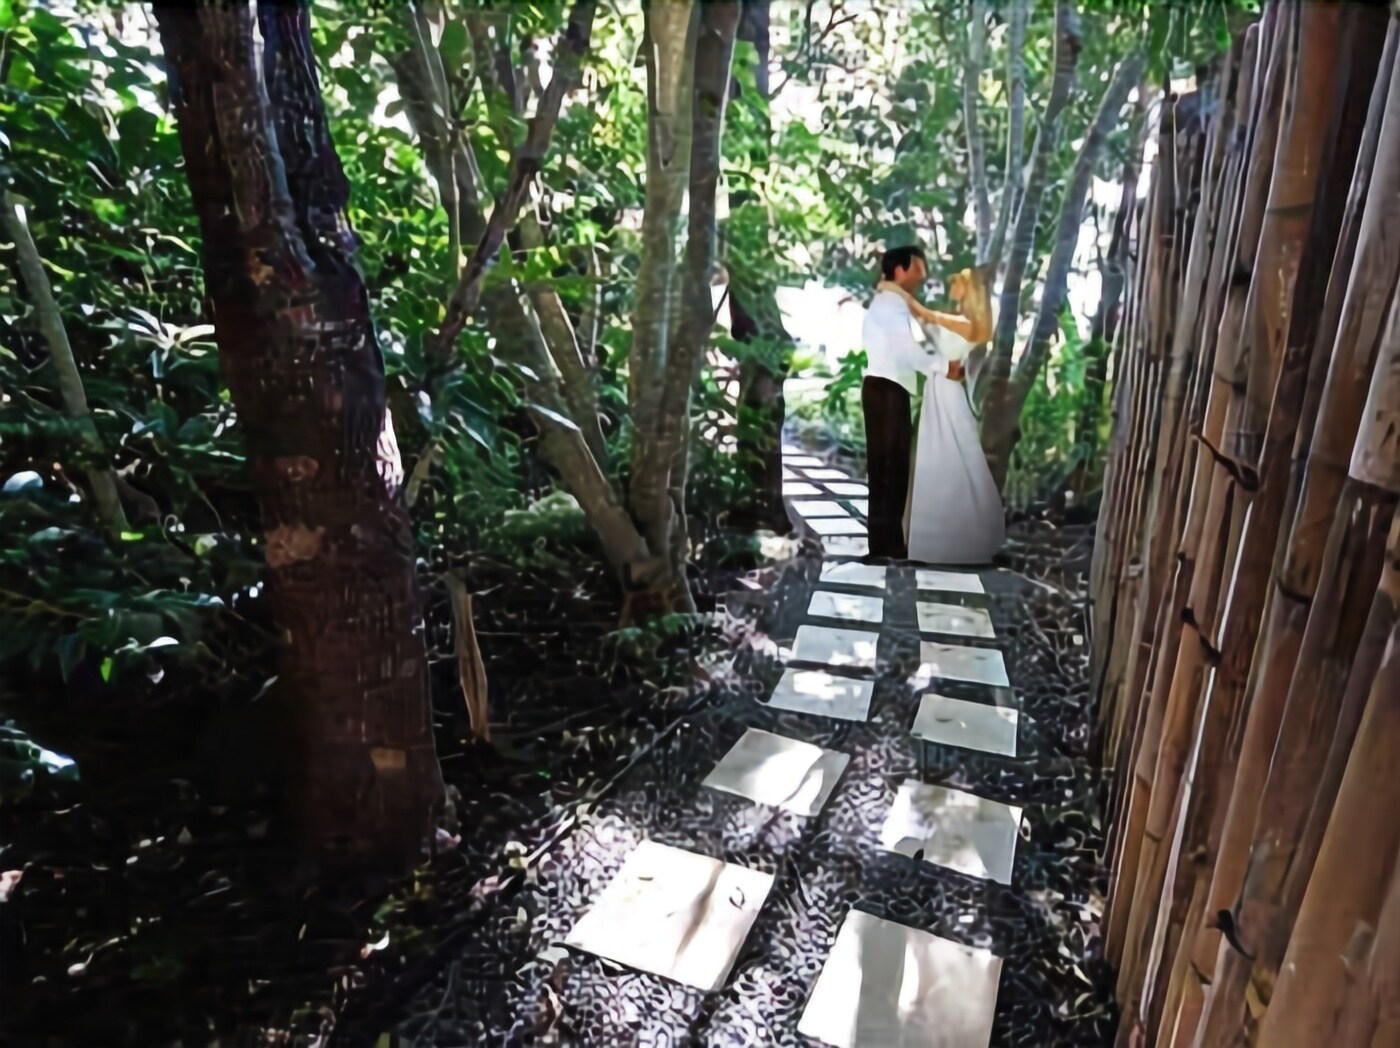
<point>1246,579</point>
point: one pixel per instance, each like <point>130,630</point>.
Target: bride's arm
<point>965,327</point>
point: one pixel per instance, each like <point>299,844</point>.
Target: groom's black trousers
<point>889,435</point>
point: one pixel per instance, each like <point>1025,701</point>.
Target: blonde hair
<point>969,287</point>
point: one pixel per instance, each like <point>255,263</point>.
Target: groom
<point>893,362</point>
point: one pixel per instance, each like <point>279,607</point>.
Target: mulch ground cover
<point>149,915</point>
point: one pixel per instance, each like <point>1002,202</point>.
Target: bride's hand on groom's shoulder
<point>956,371</point>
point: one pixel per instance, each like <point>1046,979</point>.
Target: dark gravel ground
<point>506,982</point>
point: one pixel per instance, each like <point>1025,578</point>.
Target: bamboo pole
<point>1370,285</point>
<point>1173,702</point>
<point>1349,882</point>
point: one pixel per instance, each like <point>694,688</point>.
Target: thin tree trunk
<point>1016,128</point>
<point>755,316</point>
<point>695,318</point>
<point>1068,43</point>
<point>103,481</point>
<point>298,349</point>
<point>669,43</point>
<point>1006,396</point>
<point>972,128</point>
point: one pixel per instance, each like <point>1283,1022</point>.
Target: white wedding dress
<point>954,514</point>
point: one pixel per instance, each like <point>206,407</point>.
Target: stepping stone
<point>800,487</point>
<point>955,662</point>
<point>971,725</point>
<point>804,461</point>
<point>948,581</point>
<point>885,984</point>
<point>778,771</point>
<point>849,489</point>
<point>953,829</point>
<point>823,694</point>
<point>954,618</point>
<point>836,526</point>
<point>819,508</point>
<point>854,607</point>
<point>846,545</point>
<point>835,647</point>
<point>861,506</point>
<point>846,573</point>
<point>825,474</point>
<point>789,474</point>
<point>675,914</point>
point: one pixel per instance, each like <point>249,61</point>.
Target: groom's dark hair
<point>900,258</point>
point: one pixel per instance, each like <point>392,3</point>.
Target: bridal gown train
<point>955,514</point>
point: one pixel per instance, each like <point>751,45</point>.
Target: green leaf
<point>455,42</point>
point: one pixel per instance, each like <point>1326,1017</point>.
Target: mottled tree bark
<point>298,349</point>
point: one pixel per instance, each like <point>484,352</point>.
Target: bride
<point>954,514</point>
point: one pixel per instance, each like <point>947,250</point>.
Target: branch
<point>1016,130</point>
<point>525,165</point>
<point>976,145</point>
<point>560,338</point>
<point>70,382</point>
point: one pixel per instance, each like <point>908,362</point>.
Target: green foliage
<point>1051,444</point>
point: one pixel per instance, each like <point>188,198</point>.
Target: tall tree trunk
<point>1103,328</point>
<point>1006,395</point>
<point>693,318</point>
<point>972,126</point>
<point>669,44</point>
<point>299,352</point>
<point>1016,128</point>
<point>1068,43</point>
<point>755,317</point>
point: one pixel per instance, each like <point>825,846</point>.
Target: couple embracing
<point>936,503</point>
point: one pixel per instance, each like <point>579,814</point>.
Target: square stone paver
<point>885,985</point>
<point>948,581</point>
<point>954,829</point>
<point>846,545</point>
<point>675,914</point>
<point>802,461</point>
<point>836,526</point>
<point>854,607</point>
<point>848,573</point>
<point>800,487</point>
<point>861,506</point>
<point>819,508</point>
<point>849,489</point>
<point>954,618</point>
<point>778,771</point>
<point>789,474</point>
<point>955,662</point>
<point>971,725</point>
<point>823,694</point>
<point>825,474</point>
<point>835,647</point>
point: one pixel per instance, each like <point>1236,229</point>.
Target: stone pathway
<point>880,835</point>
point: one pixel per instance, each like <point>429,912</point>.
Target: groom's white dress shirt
<point>891,351</point>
